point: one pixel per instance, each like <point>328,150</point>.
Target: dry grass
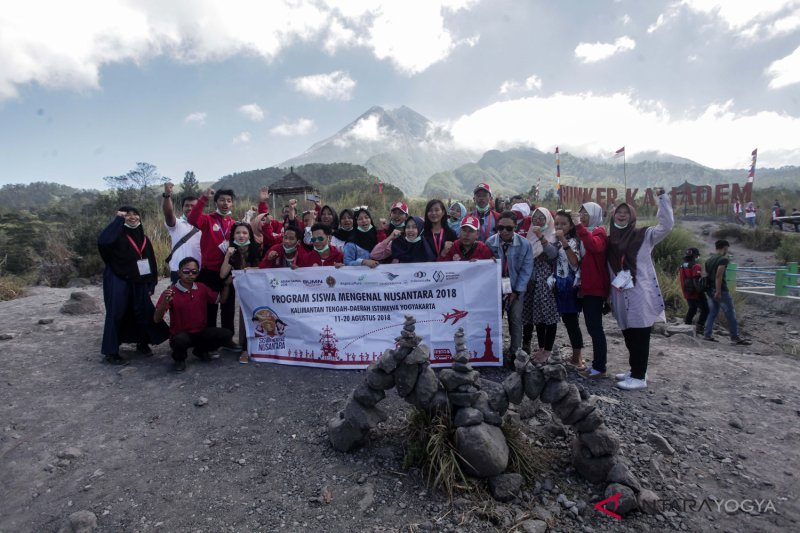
<point>524,458</point>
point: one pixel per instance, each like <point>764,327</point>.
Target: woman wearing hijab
<point>636,299</point>
<point>455,214</point>
<point>523,214</point>
<point>344,228</point>
<point>403,248</point>
<point>362,241</point>
<point>594,281</point>
<point>540,303</point>
<point>129,280</point>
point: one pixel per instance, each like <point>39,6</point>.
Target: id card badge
<point>623,280</point>
<point>223,247</point>
<point>144,267</point>
<point>506,285</point>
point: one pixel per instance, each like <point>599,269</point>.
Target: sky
<point>90,87</point>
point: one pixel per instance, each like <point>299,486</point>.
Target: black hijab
<point>411,252</point>
<point>341,233</point>
<point>364,239</point>
<point>121,254</point>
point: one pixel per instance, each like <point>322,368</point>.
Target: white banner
<point>347,317</point>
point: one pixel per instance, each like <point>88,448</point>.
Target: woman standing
<point>636,299</point>
<point>436,233</point>
<point>567,280</point>
<point>594,282</point>
<point>129,280</point>
<point>540,303</point>
<point>243,253</point>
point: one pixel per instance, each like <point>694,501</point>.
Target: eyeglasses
<point>317,239</point>
<point>500,227</point>
<point>189,271</point>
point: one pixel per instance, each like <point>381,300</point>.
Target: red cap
<point>471,221</point>
<point>401,206</point>
<point>483,186</point>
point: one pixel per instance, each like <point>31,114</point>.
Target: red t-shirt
<point>215,229</point>
<point>187,309</point>
<point>456,253</point>
<point>313,258</point>
<point>594,272</point>
<point>280,260</point>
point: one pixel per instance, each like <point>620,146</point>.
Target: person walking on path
<point>636,299</point>
<point>691,272</point>
<point>719,296</point>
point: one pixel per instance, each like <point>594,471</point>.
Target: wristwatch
<point>165,195</point>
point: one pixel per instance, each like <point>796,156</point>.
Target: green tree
<point>190,186</point>
<point>138,181</point>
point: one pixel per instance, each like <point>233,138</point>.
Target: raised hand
<point>168,188</point>
<point>210,193</point>
<point>263,195</point>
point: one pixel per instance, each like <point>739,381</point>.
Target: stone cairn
<point>477,406</point>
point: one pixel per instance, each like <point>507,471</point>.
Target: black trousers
<point>637,340</point>
<point>212,280</point>
<point>546,335</point>
<point>570,321</point>
<point>700,303</point>
<point>203,341</point>
<point>593,318</point>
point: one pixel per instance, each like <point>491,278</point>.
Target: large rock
<point>405,378</point>
<point>648,501</point>
<point>554,390</point>
<point>620,473</point>
<point>661,444</point>
<point>426,386</point>
<point>387,362</point>
<point>80,303</point>
<point>483,450</point>
<point>363,417</point>
<point>452,379</point>
<point>594,469</point>
<point>344,435</point>
<point>582,411</point>
<point>556,372</point>
<point>528,408</point>
<point>490,416</point>
<point>498,399</point>
<point>589,423</point>
<point>600,441</point>
<point>377,378</point>
<point>419,355</point>
<point>505,487</point>
<point>463,399</point>
<point>79,522</point>
<point>564,407</point>
<point>467,416</point>
<point>626,500</point>
<point>367,396</point>
<point>534,383</point>
<point>513,387</point>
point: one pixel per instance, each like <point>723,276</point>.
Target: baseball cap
<point>483,186</point>
<point>471,221</point>
<point>401,206</point>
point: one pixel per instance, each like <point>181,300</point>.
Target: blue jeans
<point>726,302</point>
<point>515,324</point>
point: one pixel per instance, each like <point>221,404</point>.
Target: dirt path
<point>131,446</point>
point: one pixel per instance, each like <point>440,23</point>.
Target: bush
<point>669,253</point>
<point>670,284</point>
<point>756,239</point>
<point>789,250</point>
<point>11,287</point>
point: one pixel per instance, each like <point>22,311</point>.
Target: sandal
<point>580,368</point>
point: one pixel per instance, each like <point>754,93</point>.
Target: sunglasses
<point>500,227</point>
<point>189,271</point>
<point>317,239</point>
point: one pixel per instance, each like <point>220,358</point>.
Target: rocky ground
<point>230,447</point>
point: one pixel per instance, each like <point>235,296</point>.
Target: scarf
<point>595,215</point>
<point>624,244</point>
<point>549,233</point>
<point>411,252</point>
<point>456,226</point>
<point>365,239</point>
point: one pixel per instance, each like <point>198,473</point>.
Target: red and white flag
<point>620,152</point>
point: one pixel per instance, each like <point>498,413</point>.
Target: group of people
<point>554,266</point>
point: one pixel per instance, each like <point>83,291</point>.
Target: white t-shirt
<point>190,248</point>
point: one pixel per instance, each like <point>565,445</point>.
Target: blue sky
<point>89,87</point>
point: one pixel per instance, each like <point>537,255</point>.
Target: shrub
<point>756,239</point>
<point>11,287</point>
<point>670,284</point>
<point>789,250</point>
<point>669,253</point>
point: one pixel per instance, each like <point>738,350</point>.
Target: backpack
<point>692,283</point>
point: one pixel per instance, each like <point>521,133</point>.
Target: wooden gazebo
<point>292,185</point>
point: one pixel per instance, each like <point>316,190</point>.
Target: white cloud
<point>531,83</point>
<point>242,138</point>
<point>252,112</point>
<point>593,52</point>
<point>301,126</point>
<point>337,85</point>
<point>739,14</point>
<point>785,71</point>
<point>66,49</point>
<point>589,124</point>
<point>198,117</point>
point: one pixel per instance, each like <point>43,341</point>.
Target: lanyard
<point>223,228</point>
<point>485,229</point>
<point>138,250</point>
<point>506,246</point>
<point>437,242</point>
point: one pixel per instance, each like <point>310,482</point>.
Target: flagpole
<point>624,174</point>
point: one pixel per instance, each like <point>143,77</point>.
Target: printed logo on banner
<point>390,276</point>
<point>273,283</point>
<point>420,274</point>
<point>269,329</point>
<point>442,353</point>
<point>312,283</point>
<point>438,276</point>
<point>331,281</point>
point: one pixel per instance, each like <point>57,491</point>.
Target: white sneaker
<point>626,375</point>
<point>632,384</point>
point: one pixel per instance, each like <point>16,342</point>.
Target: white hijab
<point>549,233</point>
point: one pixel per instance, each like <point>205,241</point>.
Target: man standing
<point>185,238</point>
<point>488,217</point>
<point>719,296</point>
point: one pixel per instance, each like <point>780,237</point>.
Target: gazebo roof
<point>290,183</point>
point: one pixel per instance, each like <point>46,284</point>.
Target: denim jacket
<point>354,254</point>
<point>520,260</point>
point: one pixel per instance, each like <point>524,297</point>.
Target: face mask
<point>220,213</point>
<point>133,227</point>
<point>482,209</point>
<point>245,243</point>
<point>327,247</point>
<point>289,250</point>
<point>620,227</point>
<point>399,226</point>
<point>417,239</point>
<point>365,230</point>
<point>545,227</point>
